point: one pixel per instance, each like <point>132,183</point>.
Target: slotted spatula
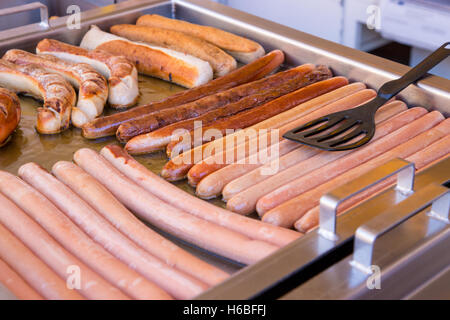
<point>360,121</point>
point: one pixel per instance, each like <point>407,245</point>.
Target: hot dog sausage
<point>166,191</point>
<point>40,276</point>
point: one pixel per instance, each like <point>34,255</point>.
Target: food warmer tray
<point>305,268</point>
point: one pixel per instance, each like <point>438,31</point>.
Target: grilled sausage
<point>107,126</point>
<point>121,73</point>
<point>92,86</point>
<point>9,114</point>
<point>218,160</point>
<point>58,95</point>
<point>254,115</point>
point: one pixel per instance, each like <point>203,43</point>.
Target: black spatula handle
<point>391,88</point>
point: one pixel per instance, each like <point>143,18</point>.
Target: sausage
<point>161,137</point>
<point>92,285</point>
<point>288,212</point>
<point>66,232</point>
<point>176,283</point>
<point>245,201</point>
<point>57,93</point>
<point>166,191</point>
<point>107,126</point>
<point>187,227</point>
<point>303,75</point>
<point>242,49</point>
<point>166,64</point>
<point>421,159</point>
<point>16,284</point>
<point>296,186</point>
<point>250,117</point>
<point>177,167</point>
<point>32,269</point>
<point>263,172</point>
<point>221,62</point>
<point>9,114</point>
<point>93,89</point>
<point>121,73</point>
<point>111,209</point>
<point>219,160</point>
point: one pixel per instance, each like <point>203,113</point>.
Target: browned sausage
<point>107,126</point>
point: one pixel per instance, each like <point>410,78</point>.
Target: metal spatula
<point>341,127</point>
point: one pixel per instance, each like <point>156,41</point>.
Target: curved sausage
<point>121,73</point>
<point>58,95</point>
<point>93,89</point>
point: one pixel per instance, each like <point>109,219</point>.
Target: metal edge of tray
<point>294,264</point>
<point>432,92</point>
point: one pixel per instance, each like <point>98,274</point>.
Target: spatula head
<point>338,131</point>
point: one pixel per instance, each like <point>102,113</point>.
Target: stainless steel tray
<point>432,93</point>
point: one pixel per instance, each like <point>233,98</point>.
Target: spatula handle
<point>391,88</point>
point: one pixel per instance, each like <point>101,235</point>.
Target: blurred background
<point>401,30</point>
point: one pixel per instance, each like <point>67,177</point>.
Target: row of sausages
<point>78,217</point>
